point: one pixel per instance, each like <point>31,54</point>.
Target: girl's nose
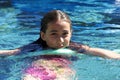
<point>61,39</point>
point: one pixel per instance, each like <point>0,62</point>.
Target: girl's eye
<point>65,33</point>
<point>53,33</point>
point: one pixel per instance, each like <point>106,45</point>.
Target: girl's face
<point>57,35</point>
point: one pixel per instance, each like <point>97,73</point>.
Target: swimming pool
<point>95,23</point>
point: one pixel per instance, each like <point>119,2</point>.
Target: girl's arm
<point>24,49</point>
<point>94,51</point>
<point>9,52</point>
<point>103,53</point>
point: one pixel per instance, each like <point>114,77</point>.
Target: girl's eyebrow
<point>57,31</point>
<point>53,31</point>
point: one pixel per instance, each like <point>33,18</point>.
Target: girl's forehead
<point>59,24</point>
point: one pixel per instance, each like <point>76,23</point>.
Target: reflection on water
<point>5,3</point>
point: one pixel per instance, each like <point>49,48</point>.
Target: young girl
<point>56,31</point>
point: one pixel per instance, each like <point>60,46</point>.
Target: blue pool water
<point>95,23</point>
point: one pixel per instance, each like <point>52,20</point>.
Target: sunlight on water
<point>8,18</point>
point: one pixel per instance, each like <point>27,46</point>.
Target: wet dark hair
<point>51,16</point>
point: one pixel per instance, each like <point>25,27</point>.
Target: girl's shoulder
<point>75,44</point>
<point>79,47</point>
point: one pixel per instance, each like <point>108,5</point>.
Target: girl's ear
<point>42,34</point>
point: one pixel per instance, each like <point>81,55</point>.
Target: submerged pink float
<point>41,72</point>
<point>49,69</point>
